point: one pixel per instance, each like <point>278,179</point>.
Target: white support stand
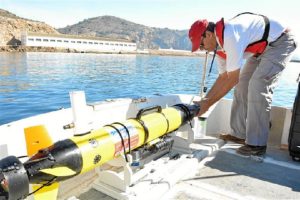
<point>151,182</point>
<point>116,184</point>
<point>120,181</point>
<point>186,135</point>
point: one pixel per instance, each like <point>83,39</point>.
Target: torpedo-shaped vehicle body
<point>82,153</point>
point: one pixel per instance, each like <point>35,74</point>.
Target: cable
<point>212,62</point>
<point>22,157</point>
<point>128,134</point>
<point>203,75</point>
<point>145,129</point>
<point>122,140</point>
<point>44,185</point>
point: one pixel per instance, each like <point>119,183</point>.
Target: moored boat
<point>178,165</point>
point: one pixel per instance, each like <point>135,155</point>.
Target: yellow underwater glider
<point>50,163</point>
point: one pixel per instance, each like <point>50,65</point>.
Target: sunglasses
<point>202,41</point>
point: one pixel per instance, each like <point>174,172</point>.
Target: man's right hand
<point>204,106</point>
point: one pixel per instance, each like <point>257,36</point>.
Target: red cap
<point>196,32</point>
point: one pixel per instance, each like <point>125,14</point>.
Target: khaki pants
<point>250,112</point>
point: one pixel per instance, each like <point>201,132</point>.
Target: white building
<point>80,43</point>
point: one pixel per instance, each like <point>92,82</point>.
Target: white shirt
<point>241,31</point>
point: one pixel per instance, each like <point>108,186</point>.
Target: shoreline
<point>160,52</point>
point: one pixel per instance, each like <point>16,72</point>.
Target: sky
<point>173,14</point>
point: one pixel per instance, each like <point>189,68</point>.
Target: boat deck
<point>226,175</point>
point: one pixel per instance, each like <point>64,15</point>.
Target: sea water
<point>35,83</point>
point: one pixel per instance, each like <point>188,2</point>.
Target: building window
<point>59,40</point>
<point>52,40</point>
<point>30,39</point>
<point>38,39</point>
<point>84,42</point>
<point>90,43</point>
<point>45,40</point>
<point>106,44</point>
<point>72,41</point>
<point>95,42</point>
<point>79,42</point>
<point>66,41</point>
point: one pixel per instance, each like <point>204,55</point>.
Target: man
<point>266,45</point>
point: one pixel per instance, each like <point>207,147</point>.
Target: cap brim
<point>195,45</point>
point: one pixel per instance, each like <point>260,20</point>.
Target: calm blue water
<point>34,83</point>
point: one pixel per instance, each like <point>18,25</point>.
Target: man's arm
<point>224,83</point>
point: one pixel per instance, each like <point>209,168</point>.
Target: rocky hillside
<point>146,37</point>
<point>12,26</point>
